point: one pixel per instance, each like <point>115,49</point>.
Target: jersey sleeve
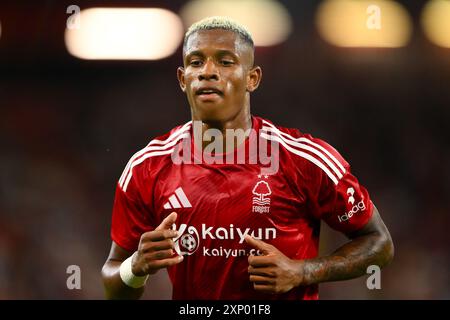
<point>340,200</point>
<point>131,214</point>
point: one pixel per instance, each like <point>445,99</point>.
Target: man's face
<point>217,74</point>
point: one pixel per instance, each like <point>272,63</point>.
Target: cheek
<point>189,81</point>
<point>188,78</point>
<point>237,83</point>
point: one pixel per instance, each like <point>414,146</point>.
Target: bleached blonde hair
<point>218,22</point>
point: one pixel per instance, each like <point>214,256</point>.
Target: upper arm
<point>336,195</point>
<point>132,214</point>
<point>374,226</point>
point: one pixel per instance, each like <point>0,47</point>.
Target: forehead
<point>215,39</point>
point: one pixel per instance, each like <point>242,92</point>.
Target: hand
<point>273,272</point>
<point>156,249</point>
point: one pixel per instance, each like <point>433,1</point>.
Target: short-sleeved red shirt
<point>219,203</point>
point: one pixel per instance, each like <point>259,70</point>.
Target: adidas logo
<point>178,200</point>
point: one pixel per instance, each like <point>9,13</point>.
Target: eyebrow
<point>218,52</point>
<point>227,52</point>
<point>194,53</point>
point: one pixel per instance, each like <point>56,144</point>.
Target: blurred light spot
<point>267,20</point>
<point>125,34</point>
<point>436,22</point>
<point>361,23</point>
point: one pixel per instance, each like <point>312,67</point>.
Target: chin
<point>211,112</point>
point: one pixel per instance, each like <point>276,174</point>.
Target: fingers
<point>264,284</point>
<point>262,273</point>
<point>161,245</point>
<point>159,264</point>
<point>156,248</point>
<point>147,246</point>
<point>264,247</point>
<point>161,254</point>
<point>156,255</point>
<point>260,261</point>
<point>264,288</point>
<point>261,280</point>
<point>265,272</point>
<point>158,235</point>
<point>168,221</point>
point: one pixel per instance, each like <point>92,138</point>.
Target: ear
<point>254,78</point>
<point>180,76</point>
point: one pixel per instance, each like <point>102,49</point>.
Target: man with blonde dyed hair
<point>223,23</point>
<point>225,230</point>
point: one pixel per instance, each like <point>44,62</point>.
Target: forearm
<point>351,260</point>
<point>114,286</point>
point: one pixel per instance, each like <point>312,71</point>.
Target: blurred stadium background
<point>71,116</point>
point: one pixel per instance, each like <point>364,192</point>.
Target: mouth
<point>208,92</point>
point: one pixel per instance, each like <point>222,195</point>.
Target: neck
<point>241,121</point>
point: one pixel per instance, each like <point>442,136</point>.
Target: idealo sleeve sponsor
<point>342,202</point>
<point>352,205</point>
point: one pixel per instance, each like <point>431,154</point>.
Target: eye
<point>226,62</point>
<point>195,63</point>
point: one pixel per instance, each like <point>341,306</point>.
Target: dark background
<point>68,127</point>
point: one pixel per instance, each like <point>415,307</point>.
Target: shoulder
<point>307,150</point>
<point>157,149</point>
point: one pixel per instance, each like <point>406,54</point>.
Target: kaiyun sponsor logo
<point>188,240</point>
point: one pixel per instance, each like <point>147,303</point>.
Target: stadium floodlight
<point>125,34</point>
<point>268,21</point>
<point>436,22</point>
<point>361,23</point>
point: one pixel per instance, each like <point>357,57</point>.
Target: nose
<point>209,71</point>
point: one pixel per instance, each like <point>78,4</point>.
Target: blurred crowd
<point>68,127</point>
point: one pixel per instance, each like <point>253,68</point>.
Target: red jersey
<point>219,203</point>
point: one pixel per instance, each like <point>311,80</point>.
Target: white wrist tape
<point>128,277</point>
